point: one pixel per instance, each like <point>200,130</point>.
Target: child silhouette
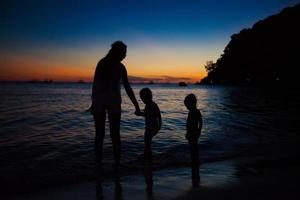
<point>152,120</point>
<point>193,128</point>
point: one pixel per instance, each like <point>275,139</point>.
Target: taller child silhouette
<point>106,98</point>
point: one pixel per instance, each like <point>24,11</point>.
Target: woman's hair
<point>118,48</point>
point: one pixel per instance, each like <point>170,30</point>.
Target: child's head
<point>190,101</point>
<point>146,95</point>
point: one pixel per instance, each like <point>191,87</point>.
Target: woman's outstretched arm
<point>129,90</point>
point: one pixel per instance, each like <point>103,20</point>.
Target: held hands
<point>138,113</point>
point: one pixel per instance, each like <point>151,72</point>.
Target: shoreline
<point>165,184</point>
<point>270,156</point>
<point>240,178</point>
<point>272,184</point>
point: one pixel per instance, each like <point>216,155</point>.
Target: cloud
<point>158,79</point>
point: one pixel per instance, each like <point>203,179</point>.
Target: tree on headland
<point>262,55</point>
<point>210,66</point>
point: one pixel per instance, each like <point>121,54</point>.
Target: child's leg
<point>194,150</point>
<point>147,150</point>
<point>195,162</point>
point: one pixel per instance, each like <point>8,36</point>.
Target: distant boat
<point>48,81</point>
<point>182,84</point>
<point>151,82</point>
<point>81,81</point>
<point>39,81</point>
<point>34,81</point>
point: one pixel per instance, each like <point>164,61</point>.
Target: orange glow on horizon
<point>29,72</point>
<point>32,69</point>
<point>64,64</point>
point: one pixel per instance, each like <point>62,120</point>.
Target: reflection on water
<point>46,128</point>
<point>117,184</point>
<point>118,190</point>
<point>149,181</point>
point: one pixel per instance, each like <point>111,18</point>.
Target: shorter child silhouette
<point>152,120</point>
<point>193,128</point>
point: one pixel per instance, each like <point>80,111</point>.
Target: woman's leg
<point>100,132</point>
<point>114,125</point>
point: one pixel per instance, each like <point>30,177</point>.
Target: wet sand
<point>273,184</point>
<point>242,178</point>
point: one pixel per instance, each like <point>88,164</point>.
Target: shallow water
<point>46,127</point>
<point>161,184</point>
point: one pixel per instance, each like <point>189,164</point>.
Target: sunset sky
<point>168,40</point>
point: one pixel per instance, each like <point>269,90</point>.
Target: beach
<point>241,178</point>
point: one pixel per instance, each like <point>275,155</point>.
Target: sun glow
<point>63,64</point>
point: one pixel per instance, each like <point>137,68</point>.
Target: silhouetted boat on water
<point>182,84</point>
<point>81,81</point>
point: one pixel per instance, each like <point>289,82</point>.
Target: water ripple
<point>48,127</point>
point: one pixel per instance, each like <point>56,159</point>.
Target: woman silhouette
<point>106,98</point>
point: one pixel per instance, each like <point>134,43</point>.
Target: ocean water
<point>47,134</point>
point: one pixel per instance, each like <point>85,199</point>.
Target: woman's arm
<point>200,121</point>
<point>129,90</point>
<point>159,117</point>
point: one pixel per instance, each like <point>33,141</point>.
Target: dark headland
<point>266,54</point>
